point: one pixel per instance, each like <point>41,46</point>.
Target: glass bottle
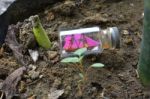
<point>92,38</point>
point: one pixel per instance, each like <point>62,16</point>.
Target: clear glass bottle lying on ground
<point>93,38</point>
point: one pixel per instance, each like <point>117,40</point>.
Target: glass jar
<point>93,38</point>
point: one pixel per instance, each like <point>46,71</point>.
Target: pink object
<point>73,42</point>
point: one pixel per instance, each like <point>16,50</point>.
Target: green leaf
<point>70,60</point>
<point>97,65</point>
<point>80,51</point>
<point>80,58</point>
<point>81,75</point>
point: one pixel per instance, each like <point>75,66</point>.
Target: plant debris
<point>12,42</point>
<point>34,54</point>
<point>9,86</point>
<point>55,94</point>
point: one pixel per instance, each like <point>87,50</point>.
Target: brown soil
<point>117,80</point>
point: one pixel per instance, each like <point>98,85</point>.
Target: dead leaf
<point>1,95</point>
<point>34,54</point>
<point>9,86</point>
<point>55,94</point>
<point>12,42</point>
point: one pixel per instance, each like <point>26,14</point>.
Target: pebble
<point>142,14</point>
<point>34,74</point>
<point>51,54</point>
<point>41,76</point>
<point>28,80</point>
<point>32,67</point>
<point>125,32</point>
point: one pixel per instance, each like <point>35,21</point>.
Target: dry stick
<point>85,78</point>
<point>80,67</point>
<point>76,66</point>
<point>2,95</point>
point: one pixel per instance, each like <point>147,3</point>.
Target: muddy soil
<point>117,80</point>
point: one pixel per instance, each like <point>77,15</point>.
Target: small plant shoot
<point>83,71</point>
<point>40,33</point>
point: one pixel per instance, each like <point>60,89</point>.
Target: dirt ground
<point>117,80</point>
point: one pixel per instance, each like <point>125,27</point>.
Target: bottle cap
<point>115,36</point>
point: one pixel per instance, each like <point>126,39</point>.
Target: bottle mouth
<point>115,37</point>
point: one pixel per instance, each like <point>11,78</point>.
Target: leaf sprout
<point>78,60</point>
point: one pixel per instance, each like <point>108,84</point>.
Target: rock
<point>41,76</point>
<point>125,32</point>
<point>34,74</point>
<point>32,67</point>
<point>51,54</point>
<point>28,81</point>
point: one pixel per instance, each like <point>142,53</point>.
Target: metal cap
<point>115,36</point>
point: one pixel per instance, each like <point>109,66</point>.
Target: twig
<point>2,95</point>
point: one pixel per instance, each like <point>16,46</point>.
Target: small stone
<point>34,75</point>
<point>51,54</point>
<point>28,80</point>
<point>32,67</point>
<point>41,76</point>
<point>125,32</point>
